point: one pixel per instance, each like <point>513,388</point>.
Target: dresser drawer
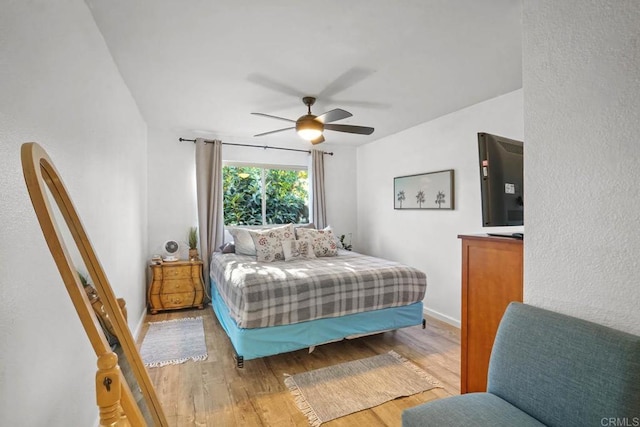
<point>176,286</point>
<point>182,299</point>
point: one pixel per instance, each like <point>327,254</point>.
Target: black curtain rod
<point>256,146</point>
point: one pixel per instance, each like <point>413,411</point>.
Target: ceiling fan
<point>311,127</point>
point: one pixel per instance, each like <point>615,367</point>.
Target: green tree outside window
<point>284,192</point>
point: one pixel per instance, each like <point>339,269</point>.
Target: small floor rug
<point>174,341</point>
<point>335,391</point>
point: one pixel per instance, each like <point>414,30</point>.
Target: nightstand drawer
<point>178,272</point>
<point>183,299</point>
<point>176,286</point>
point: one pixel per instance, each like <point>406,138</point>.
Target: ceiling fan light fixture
<point>309,128</point>
<point>309,134</point>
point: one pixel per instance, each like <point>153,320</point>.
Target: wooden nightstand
<point>176,285</point>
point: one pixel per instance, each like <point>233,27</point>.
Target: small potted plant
<point>193,244</point>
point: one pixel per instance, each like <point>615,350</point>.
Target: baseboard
<point>447,319</point>
<point>138,329</point>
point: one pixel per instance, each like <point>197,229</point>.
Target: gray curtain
<point>209,194</point>
<point>317,189</point>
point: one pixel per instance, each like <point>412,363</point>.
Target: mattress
<point>261,295</point>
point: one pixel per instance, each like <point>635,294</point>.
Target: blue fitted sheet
<point>261,342</point>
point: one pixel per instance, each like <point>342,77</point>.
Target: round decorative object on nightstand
<point>171,248</point>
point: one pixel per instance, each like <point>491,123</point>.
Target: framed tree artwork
<point>431,190</point>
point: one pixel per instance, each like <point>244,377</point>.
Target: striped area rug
<point>335,391</point>
<point>174,341</point>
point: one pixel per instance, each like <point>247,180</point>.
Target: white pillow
<point>297,249</point>
<point>243,241</point>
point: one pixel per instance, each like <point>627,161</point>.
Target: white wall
<point>60,87</point>
<point>582,116</point>
<point>172,197</point>
<point>428,239</point>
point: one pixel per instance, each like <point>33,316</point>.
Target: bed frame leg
<point>424,323</point>
<point>239,360</point>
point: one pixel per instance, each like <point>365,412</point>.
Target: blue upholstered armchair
<point>548,369</point>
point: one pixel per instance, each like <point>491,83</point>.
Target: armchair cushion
<point>473,409</point>
<point>563,370</point>
<point>551,369</point>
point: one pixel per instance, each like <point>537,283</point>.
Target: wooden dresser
<point>176,285</point>
<point>491,279</point>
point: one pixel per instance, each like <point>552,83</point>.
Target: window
<point>261,195</point>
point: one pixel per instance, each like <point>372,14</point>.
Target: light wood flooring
<point>216,393</point>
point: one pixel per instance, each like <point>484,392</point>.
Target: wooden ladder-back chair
<point>114,397</point>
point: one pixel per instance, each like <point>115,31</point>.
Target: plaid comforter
<point>280,293</point>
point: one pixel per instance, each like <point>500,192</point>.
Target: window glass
<point>259,195</point>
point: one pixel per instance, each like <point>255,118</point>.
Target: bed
<point>282,306</point>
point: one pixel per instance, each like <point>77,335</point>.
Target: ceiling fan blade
<point>360,104</point>
<point>347,79</point>
<point>273,131</point>
<point>361,130</point>
<point>275,85</point>
<point>273,117</point>
<point>334,115</point>
<point>318,140</point>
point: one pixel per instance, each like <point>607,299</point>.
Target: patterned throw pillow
<point>287,231</point>
<point>335,237</point>
<point>297,249</point>
<point>268,243</point>
<point>323,241</point>
<point>298,227</point>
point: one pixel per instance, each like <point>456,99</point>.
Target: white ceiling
<point>200,67</point>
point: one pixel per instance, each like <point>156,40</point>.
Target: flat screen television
<point>501,178</point>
